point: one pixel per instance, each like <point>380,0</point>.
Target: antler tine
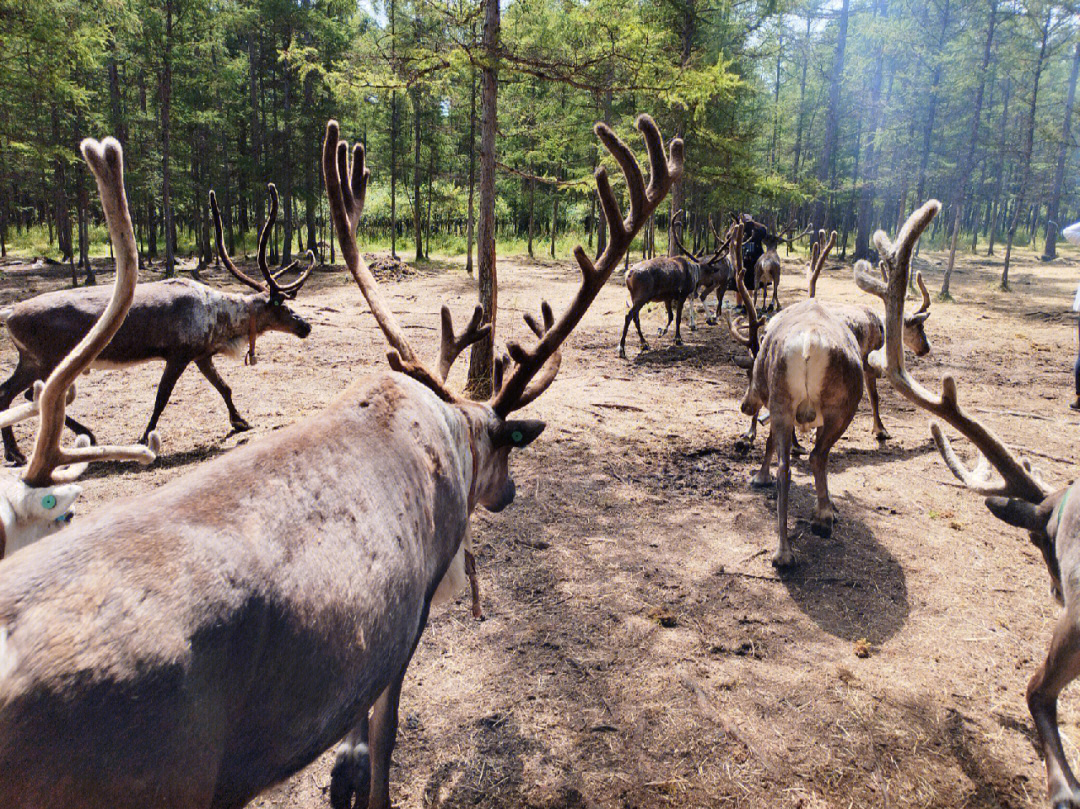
<point>220,240</point>
<point>868,282</point>
<point>824,254</point>
<point>13,415</point>
<point>813,270</point>
<point>289,290</point>
<point>106,161</point>
<point>264,239</point>
<point>451,346</point>
<point>925,293</point>
<point>676,234</point>
<point>737,333</point>
<point>346,204</point>
<point>1017,479</point>
<point>515,391</point>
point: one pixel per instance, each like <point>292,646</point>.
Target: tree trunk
<point>60,203</point>
<point>554,218</point>
<point>1029,145</point>
<point>418,233</point>
<point>1000,171</point>
<point>166,134</point>
<point>832,118</point>
<point>470,223</point>
<point>931,115</point>
<point>287,169</point>
<point>870,170</point>
<point>483,351</point>
<point>969,156</point>
<point>677,196</point>
<point>1052,225</point>
<point>532,211</point>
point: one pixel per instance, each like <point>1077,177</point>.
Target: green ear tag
<point>517,436</point>
<point>48,502</point>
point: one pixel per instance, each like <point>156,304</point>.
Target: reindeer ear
<point>517,433</point>
<point>1021,513</point>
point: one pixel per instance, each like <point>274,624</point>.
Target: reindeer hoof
<point>742,445</point>
<point>239,426</point>
<point>678,341</point>
<point>762,483</point>
<point>350,779</point>
<point>822,527</point>
<point>622,353</point>
<point>14,457</point>
<point>882,435</point>
<point>782,559</point>
<point>711,321</point>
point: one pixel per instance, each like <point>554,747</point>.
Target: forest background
<point>845,114</point>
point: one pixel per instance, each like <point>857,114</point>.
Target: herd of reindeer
<point>194,645</point>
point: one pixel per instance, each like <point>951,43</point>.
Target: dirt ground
<point>638,648</point>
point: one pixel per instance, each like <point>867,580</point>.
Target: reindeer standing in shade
<point>196,645</point>
<point>178,321</point>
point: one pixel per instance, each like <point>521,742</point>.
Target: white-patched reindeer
<point>865,323</point>
<point>179,321</point>
<point>38,502</point>
<point>195,645</point>
<point>1019,497</point>
<point>808,372</point>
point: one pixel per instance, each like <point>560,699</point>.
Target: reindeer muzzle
<point>507,497</point>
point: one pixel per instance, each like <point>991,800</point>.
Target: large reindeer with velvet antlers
<point>196,645</point>
<point>1019,497</point>
<point>178,321</point>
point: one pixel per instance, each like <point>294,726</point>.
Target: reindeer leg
<point>350,778</point>
<point>21,379</point>
<point>384,723</point>
<point>206,365</point>
<point>784,556</point>
<point>172,372</point>
<point>678,322</point>
<point>636,312</point>
<point>775,299</point>
<point>79,429</point>
<point>625,329</point>
<point>763,478</point>
<point>670,316</point>
<point>827,435</point>
<point>1061,666</point>
<point>693,323</point>
<point>871,391</point>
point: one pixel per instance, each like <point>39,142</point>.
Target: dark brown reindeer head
<point>271,312</point>
<point>522,374</point>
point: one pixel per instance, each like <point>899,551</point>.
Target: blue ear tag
<point>517,436</point>
<point>48,502</point>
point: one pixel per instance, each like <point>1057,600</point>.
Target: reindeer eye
<point>48,502</point>
<point>517,436</point>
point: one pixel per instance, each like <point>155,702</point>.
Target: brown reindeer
<point>672,280</point>
<point>866,324</point>
<point>1019,497</point>
<point>195,645</point>
<point>178,321</point>
<point>807,371</point>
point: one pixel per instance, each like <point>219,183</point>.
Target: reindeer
<point>38,503</point>
<point>1019,497</point>
<point>178,321</point>
<point>196,645</point>
<point>808,372</point>
<point>672,280</point>
<point>866,325</point>
<point>767,267</point>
